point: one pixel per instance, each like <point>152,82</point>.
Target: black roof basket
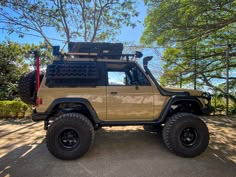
<point>95,50</point>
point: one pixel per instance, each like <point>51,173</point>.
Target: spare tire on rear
<point>26,87</point>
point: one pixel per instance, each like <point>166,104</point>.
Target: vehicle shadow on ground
<point>133,152</point>
<point>18,159</point>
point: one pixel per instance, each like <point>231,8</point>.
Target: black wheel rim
<point>69,138</point>
<point>189,137</point>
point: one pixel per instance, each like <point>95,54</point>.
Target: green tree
<point>182,25</point>
<point>172,21</point>
<point>93,20</point>
<point>15,59</point>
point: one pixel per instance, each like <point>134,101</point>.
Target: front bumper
<point>208,108</point>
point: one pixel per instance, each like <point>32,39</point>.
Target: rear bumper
<point>39,116</point>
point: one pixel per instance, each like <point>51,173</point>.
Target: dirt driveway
<point>117,152</point>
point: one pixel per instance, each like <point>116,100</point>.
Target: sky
<point>127,34</point>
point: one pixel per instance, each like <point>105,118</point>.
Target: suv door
<point>129,93</point>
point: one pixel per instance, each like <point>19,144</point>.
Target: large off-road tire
<point>26,87</point>
<point>70,136</point>
<point>186,135</point>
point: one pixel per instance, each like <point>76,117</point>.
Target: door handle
<point>113,93</point>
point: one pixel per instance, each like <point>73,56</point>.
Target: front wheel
<point>70,136</point>
<point>186,135</point>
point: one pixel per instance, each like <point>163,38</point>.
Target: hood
<point>192,92</point>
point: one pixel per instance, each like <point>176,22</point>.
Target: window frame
<point>126,63</point>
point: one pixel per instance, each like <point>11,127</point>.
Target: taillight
<point>39,101</point>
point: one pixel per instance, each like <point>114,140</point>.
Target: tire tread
<point>167,131</point>
<point>76,117</point>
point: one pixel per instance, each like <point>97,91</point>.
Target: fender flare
<point>83,101</point>
<point>173,100</point>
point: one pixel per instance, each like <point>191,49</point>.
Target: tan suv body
<point>79,95</point>
<point>116,101</point>
<point>113,101</point>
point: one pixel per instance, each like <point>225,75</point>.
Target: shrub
<point>13,109</point>
<point>232,109</point>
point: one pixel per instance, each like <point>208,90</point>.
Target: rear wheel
<point>70,136</point>
<point>186,135</point>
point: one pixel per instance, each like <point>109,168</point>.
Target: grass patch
<point>14,109</point>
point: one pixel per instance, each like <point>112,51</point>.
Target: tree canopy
<point>189,30</point>
<point>93,20</point>
<point>15,59</point>
<point>172,21</point>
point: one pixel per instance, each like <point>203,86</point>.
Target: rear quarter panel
<point>95,95</point>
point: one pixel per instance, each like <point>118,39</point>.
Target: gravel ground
<point>116,152</point>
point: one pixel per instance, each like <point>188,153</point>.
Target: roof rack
<point>96,51</point>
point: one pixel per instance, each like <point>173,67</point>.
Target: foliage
<point>11,67</point>
<point>219,106</point>
<point>187,29</point>
<point>93,20</point>
<point>15,59</point>
<point>13,109</point>
<point>232,109</point>
<point>172,21</point>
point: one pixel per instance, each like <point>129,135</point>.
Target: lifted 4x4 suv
<point>95,85</point>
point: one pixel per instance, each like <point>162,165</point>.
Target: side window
<point>116,78</point>
<point>126,74</point>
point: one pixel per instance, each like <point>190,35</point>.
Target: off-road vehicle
<point>94,85</point>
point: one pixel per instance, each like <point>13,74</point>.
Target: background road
<point>116,152</point>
